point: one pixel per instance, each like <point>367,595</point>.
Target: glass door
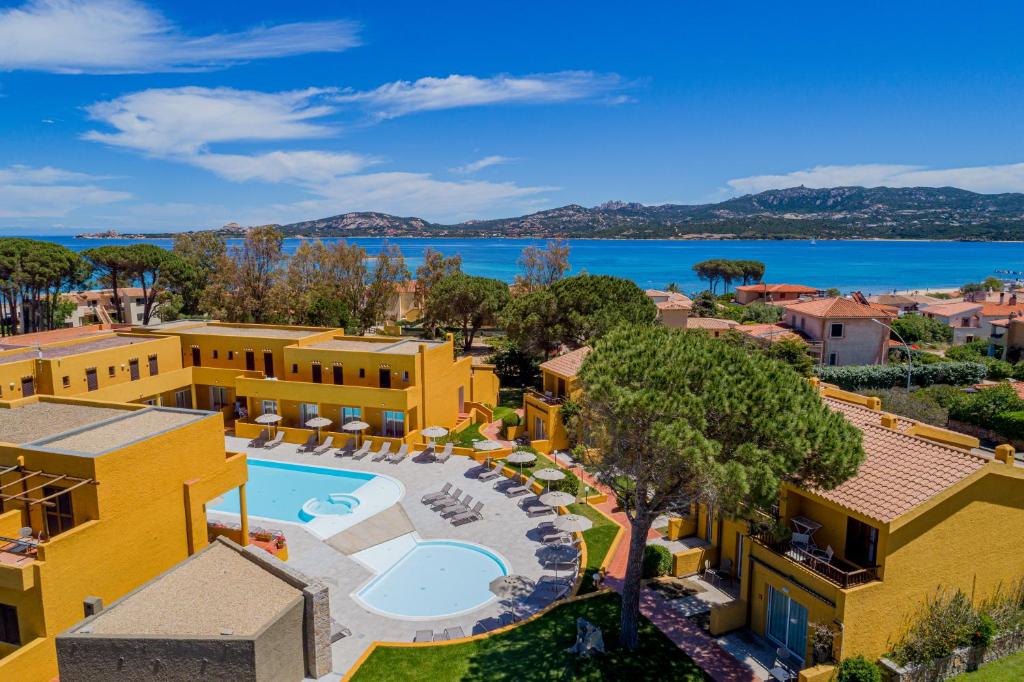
<point>787,623</point>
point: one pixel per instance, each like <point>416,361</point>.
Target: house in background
<point>542,409</point>
<point>1006,340</point>
<point>774,294</point>
<point>907,303</point>
<point>97,306</point>
<point>403,306</point>
<point>972,320</point>
<point>841,331</point>
<point>712,325</point>
<point>673,307</point>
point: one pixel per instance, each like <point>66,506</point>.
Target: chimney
<point>1004,453</point>
<point>1013,299</point>
<point>1002,295</point>
<point>889,421</point>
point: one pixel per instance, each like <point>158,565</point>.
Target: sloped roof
<point>673,300</point>
<point>996,310</point>
<point>899,472</point>
<point>836,307</point>
<point>948,309</point>
<point>778,288</point>
<point>858,415</point>
<point>710,323</point>
<point>567,365</point>
<point>770,331</point>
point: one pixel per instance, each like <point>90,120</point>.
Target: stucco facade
<point>841,332</point>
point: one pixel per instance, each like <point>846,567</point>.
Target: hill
<point>797,212</point>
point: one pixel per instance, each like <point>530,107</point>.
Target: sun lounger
<point>434,497</point>
<point>553,589</point>
<point>561,565</point>
<point>473,514</point>
<point>382,453</point>
<point>490,474</point>
<point>338,631</point>
<point>427,453</point>
<point>559,539</point>
<point>459,508</point>
<point>452,502</point>
<point>260,440</point>
<point>325,446</point>
<point>454,633</point>
<point>363,450</point>
<point>345,450</point>
<point>440,636</point>
<point>444,455</point>
<point>400,455</point>
<point>517,490</point>
<point>275,441</point>
<point>424,636</point>
<point>538,510</point>
<point>310,444</point>
<point>446,500</point>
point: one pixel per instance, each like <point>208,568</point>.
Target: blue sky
<point>160,116</point>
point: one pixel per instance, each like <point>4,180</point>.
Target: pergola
<point>30,478</point>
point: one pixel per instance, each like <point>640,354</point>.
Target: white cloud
<point>984,179</point>
<point>46,192</point>
<point>182,121</point>
<point>480,164</point>
<point>432,94</point>
<point>306,167</point>
<point>126,36</point>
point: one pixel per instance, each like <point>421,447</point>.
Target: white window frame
<point>269,407</point>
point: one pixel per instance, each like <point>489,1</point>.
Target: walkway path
<point>705,651</point>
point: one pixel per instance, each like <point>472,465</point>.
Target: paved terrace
<point>504,528</point>
<point>40,420</point>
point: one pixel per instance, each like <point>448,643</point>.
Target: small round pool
<point>436,578</point>
<point>336,504</point>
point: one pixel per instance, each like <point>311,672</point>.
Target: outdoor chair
<point>433,497</point>
<point>454,633</point>
<point>275,441</point>
<point>424,636</point>
<point>445,454</point>
<point>825,556</point>
<point>310,444</point>
<point>538,510</point>
<point>426,453</point>
<point>490,474</point>
<point>338,631</point>
<point>260,440</point>
<point>385,449</point>
<point>400,455</point>
<point>457,509</point>
<point>725,569</point>
<point>517,490</point>
<point>345,450</point>
<point>445,500</point>
<point>781,670</point>
<point>325,446</point>
<point>363,451</point>
<point>710,574</point>
<point>442,506</point>
<point>802,540</point>
<point>473,514</point>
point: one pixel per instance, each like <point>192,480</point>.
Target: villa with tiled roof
<point>542,408</point>
<point>673,307</point>
<point>842,331</point>
<point>774,294</point>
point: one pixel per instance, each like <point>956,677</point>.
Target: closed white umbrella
<point>573,523</point>
<point>355,426</point>
<point>557,498</point>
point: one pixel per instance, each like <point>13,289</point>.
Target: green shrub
<point>570,484</point>
<point>922,405</point>
<point>918,328</point>
<point>657,561</point>
<point>998,369</point>
<point>984,631</point>
<point>858,669</point>
<point>1018,371</point>
<point>855,377</point>
<point>1006,607</point>
<point>1010,424</point>
<point>944,623</point>
<point>971,351</point>
<point>983,407</point>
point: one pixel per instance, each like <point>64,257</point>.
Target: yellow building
<point>542,409</point>
<point>96,498</point>
<point>927,510</point>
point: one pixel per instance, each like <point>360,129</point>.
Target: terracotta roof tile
<point>996,310</point>
<point>858,415</point>
<point>778,288</point>
<point>710,323</point>
<point>948,309</point>
<point>899,472</point>
<point>567,365</point>
<point>835,307</point>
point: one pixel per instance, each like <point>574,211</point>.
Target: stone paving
<point>505,528</point>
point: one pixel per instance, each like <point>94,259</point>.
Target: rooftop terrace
<point>41,420</point>
<point>216,590</point>
<point>52,352</point>
<point>259,332</point>
<point>99,437</point>
<point>403,347</point>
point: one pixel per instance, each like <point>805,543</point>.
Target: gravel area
<point>39,420</point>
<point>257,332</point>
<point>49,352</point>
<point>213,591</point>
<point>135,426</point>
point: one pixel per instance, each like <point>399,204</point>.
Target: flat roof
<point>52,352</point>
<point>100,437</point>
<point>255,332</point>
<point>403,347</point>
<point>215,591</point>
<point>34,421</point>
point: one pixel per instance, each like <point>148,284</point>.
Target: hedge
<point>1010,424</point>
<point>855,377</point>
<point>657,561</point>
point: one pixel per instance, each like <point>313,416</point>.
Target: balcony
<point>834,570</point>
<point>546,398</point>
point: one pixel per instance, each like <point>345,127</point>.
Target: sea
<point>875,266</point>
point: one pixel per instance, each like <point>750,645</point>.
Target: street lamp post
<point>910,358</point>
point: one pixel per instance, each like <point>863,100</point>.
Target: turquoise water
<point>870,266</point>
<point>436,578</point>
<point>277,490</point>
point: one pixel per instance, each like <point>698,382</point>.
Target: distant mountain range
<point>797,212</point>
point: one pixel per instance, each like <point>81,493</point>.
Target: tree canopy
<point>542,267</point>
<point>728,271</point>
<point>592,305</point>
<point>33,275</point>
<point>918,328</point>
<point>679,417</point>
<point>468,302</point>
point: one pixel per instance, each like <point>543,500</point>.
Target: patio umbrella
<point>268,418</point>
<point>558,554</point>
<point>574,523</point>
<point>433,432</point>
<point>486,445</point>
<point>557,498</point>
<point>513,587</point>
<point>355,426</point>
<point>521,457</point>
<point>318,423</point>
<point>547,475</point>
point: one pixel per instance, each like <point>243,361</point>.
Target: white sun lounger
<point>325,446</point>
<point>363,451</point>
<point>459,508</point>
<point>446,501</point>
<point>517,490</point>
<point>444,455</point>
<point>382,453</point>
<point>275,441</point>
<point>400,455</point>
<point>433,497</point>
<point>473,514</point>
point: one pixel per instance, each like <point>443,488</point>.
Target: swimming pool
<point>325,500</point>
<point>434,579</point>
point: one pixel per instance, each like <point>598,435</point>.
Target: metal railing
<point>545,398</point>
<point>817,564</point>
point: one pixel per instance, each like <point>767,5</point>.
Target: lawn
<point>1003,670</point>
<point>501,411</point>
<point>598,539</point>
<point>545,462</point>
<point>536,651</point>
<point>464,438</point>
<point>510,397</point>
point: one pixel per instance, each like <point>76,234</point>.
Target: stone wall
<point>961,661</point>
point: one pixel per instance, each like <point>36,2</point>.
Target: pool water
<point>435,578</point>
<point>278,490</point>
